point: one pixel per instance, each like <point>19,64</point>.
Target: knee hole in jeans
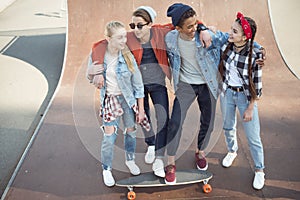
<point>131,132</point>
<point>111,132</point>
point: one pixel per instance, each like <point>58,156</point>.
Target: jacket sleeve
<point>219,38</point>
<point>89,67</point>
<point>137,82</point>
<point>98,51</point>
<point>96,60</point>
<point>256,45</point>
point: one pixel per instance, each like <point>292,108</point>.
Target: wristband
<point>201,27</point>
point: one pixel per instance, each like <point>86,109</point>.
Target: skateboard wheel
<point>131,195</point>
<point>207,188</point>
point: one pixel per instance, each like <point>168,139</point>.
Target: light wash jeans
<point>229,102</point>
<point>108,141</point>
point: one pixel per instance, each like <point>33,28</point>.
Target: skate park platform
<point>62,158</point>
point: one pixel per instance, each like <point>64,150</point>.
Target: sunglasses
<point>139,25</point>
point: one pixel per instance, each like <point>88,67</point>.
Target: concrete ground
<point>32,45</point>
<point>62,161</point>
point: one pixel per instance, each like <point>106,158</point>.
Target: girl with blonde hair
<point>122,92</point>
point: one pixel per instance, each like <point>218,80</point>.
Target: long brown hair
<point>230,46</point>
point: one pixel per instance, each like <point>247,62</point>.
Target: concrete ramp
<point>63,160</point>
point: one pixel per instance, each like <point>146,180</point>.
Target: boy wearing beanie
<point>194,70</point>
<point>147,44</point>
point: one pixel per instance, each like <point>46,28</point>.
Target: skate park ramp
<point>283,15</point>
<point>63,160</point>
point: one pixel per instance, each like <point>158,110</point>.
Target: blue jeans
<point>108,141</point>
<point>185,95</point>
<point>229,102</point>
<point>159,97</point>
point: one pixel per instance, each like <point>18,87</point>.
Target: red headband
<point>245,25</point>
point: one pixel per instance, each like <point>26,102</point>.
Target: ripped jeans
<point>229,104</point>
<point>108,141</point>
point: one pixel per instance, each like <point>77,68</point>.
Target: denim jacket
<point>130,83</point>
<point>207,59</point>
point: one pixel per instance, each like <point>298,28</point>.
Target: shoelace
<point>230,156</point>
<point>170,169</point>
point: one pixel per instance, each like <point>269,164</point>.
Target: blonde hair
<point>111,26</point>
<point>128,58</point>
<point>126,53</point>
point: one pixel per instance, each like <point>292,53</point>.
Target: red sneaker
<point>170,177</point>
<point>201,163</point>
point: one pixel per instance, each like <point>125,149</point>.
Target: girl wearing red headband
<point>241,88</point>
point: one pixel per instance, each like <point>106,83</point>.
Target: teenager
<point>122,91</point>
<point>242,87</point>
<point>195,71</point>
<point>147,44</point>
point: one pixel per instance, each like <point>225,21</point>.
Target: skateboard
<point>183,177</point>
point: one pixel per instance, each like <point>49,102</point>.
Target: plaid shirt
<point>112,110</point>
<point>145,122</point>
<point>241,62</point>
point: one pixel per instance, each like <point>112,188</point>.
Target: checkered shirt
<point>241,62</point>
<point>145,122</point>
<point>112,110</point>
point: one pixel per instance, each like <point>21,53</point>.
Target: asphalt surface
<point>63,160</point>
<point>32,45</point>
<point>46,53</point>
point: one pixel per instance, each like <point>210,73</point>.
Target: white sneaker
<point>108,178</point>
<point>133,168</point>
<point>150,155</point>
<point>229,158</point>
<point>158,168</point>
<point>259,180</point>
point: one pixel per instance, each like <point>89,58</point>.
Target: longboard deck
<point>150,180</point>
